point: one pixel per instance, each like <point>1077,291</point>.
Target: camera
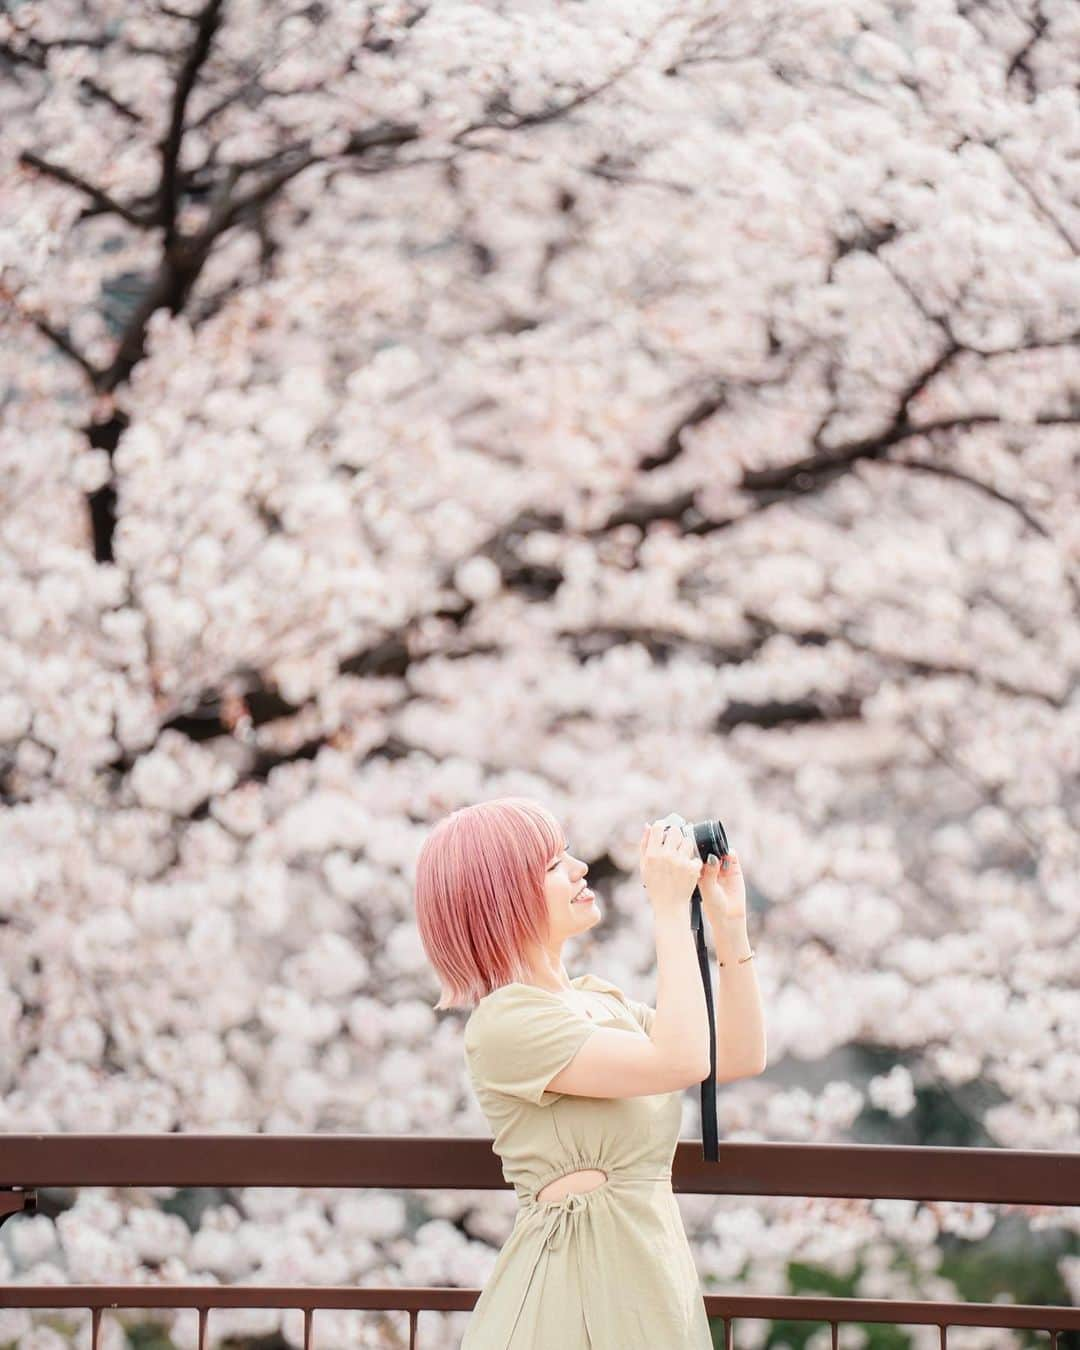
<point>708,835</point>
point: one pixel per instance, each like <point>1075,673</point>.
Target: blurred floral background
<point>640,406</point>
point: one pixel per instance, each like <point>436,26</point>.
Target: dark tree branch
<point>814,471</point>
<point>62,340</point>
<point>171,13</point>
<point>598,169</point>
<point>516,121</point>
<point>946,471</point>
<point>701,412</point>
<point>380,136</point>
<point>104,95</point>
<point>104,203</point>
<point>817,470</point>
<point>206,26</point>
<point>34,55</point>
<point>1019,62</point>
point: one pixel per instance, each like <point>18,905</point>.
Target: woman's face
<point>563,880</point>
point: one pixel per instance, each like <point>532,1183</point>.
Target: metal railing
<point>1005,1176</point>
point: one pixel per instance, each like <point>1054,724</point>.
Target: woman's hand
<point>670,866</point>
<point>723,890</point>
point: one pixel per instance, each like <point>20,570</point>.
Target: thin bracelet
<point>739,962</point>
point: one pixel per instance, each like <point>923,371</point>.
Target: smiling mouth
<point>582,896</point>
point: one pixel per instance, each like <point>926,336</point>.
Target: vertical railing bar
<point>1053,1338</point>
<point>943,1335</point>
<point>414,1320</point>
<point>95,1329</point>
<point>204,1314</point>
<point>835,1335</point>
<point>309,1333</point>
<point>729,1333</point>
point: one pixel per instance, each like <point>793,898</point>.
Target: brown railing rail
<point>29,1162</point>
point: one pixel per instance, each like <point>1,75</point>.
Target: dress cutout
<point>606,1269</point>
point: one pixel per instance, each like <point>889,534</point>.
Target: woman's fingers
<point>668,837</point>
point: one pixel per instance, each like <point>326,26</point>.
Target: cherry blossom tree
<point>642,407</point>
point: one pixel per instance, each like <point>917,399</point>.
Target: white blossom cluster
<point>707,442</point>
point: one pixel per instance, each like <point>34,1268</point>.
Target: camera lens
<point>709,836</point>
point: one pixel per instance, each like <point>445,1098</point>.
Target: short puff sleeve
<point>642,1014</point>
<point>518,1038</point>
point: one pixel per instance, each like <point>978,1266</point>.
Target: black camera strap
<point>710,1145</point>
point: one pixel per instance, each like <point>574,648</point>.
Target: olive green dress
<point>606,1269</point>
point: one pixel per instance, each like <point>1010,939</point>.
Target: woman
<point>580,1084</point>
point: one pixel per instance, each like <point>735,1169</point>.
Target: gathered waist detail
<point>562,1209</point>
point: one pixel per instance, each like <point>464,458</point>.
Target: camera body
<point>709,836</point>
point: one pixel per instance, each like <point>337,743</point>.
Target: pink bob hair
<point>480,903</point>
